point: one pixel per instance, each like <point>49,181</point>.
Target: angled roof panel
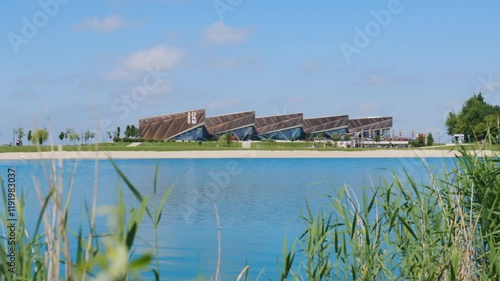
<point>167,126</point>
<point>369,124</point>
<point>275,123</point>
<point>224,123</point>
<point>321,124</point>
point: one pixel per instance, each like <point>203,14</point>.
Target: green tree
<point>118,132</point>
<point>20,133</point>
<point>420,140</point>
<point>68,132</point>
<point>88,135</point>
<point>73,137</point>
<point>227,137</point>
<point>430,139</point>
<point>347,137</point>
<point>492,122</point>
<point>134,131</point>
<point>61,136</point>
<point>40,136</point>
<point>29,136</point>
<point>471,120</point>
<point>377,138</point>
<point>127,131</point>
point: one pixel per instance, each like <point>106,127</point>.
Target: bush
<point>117,139</point>
<point>335,136</point>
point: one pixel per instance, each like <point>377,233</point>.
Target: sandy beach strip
<point>394,153</point>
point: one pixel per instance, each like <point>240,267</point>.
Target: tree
<point>227,136</point>
<point>127,132</point>
<point>420,140</point>
<point>430,139</point>
<point>471,120</point>
<point>88,135</point>
<point>68,132</point>
<point>347,137</point>
<point>377,138</point>
<point>73,137</point>
<point>61,136</point>
<point>134,131</point>
<point>109,135</point>
<point>29,136</point>
<point>40,136</point>
<point>20,133</point>
<point>118,132</point>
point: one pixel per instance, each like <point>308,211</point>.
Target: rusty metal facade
<point>167,126</point>
<point>369,124</point>
<point>275,123</point>
<point>225,123</point>
<point>321,124</point>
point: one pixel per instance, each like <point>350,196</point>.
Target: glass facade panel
<point>242,133</point>
<point>329,133</point>
<point>195,134</point>
<point>294,133</point>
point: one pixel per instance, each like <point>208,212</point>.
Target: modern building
<point>193,125</point>
<point>188,125</point>
<point>371,126</point>
<point>279,127</point>
<point>240,125</point>
<point>327,125</point>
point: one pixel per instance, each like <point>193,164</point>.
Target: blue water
<point>258,200</point>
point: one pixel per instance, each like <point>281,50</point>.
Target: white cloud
<point>160,57</point>
<point>107,24</point>
<point>221,34</point>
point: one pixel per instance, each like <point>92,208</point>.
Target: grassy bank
<point>448,229</point>
<point>220,146</point>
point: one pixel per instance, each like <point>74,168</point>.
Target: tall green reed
<point>445,229</point>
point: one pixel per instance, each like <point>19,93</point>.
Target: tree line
<point>40,136</point>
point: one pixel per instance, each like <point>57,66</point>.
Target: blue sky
<point>107,63</point>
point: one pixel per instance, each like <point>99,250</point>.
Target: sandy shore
<point>230,154</point>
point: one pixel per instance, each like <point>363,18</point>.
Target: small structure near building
<point>458,138</point>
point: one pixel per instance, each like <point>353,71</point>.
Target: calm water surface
<point>259,201</point>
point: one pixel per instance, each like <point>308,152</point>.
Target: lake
<point>259,202</point>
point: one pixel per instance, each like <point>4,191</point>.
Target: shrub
<point>335,136</point>
<point>117,139</point>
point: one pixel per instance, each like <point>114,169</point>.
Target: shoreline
<point>65,155</point>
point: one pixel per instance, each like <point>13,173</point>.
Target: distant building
<point>194,125</point>
<point>459,138</point>
<point>188,125</point>
<point>371,126</point>
<point>327,125</point>
<point>241,125</point>
<point>279,127</point>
